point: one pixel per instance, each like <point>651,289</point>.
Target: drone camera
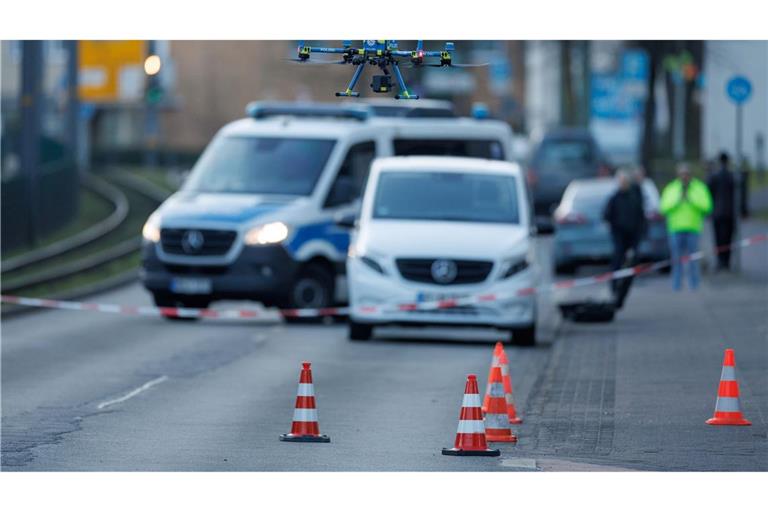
<point>381,83</point>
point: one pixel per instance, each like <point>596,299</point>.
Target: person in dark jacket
<point>638,178</point>
<point>625,215</point>
<point>722,187</point>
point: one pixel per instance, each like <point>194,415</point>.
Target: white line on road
<point>519,463</point>
<point>133,393</point>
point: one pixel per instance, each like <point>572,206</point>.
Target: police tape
<point>252,313</point>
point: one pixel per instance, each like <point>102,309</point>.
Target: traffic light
<point>154,94</point>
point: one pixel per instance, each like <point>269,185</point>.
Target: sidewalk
<point>635,393</point>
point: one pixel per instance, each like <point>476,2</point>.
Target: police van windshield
<point>489,149</point>
<point>446,196</point>
<point>261,165</point>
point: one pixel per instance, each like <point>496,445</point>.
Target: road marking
<point>529,464</point>
<point>133,393</point>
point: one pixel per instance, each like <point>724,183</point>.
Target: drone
<point>385,54</point>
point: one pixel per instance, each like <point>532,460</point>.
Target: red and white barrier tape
<point>413,306</point>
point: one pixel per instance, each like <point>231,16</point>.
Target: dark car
<point>583,237</point>
<point>563,155</point>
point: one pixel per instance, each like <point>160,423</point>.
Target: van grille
<point>467,271</point>
<point>214,242</point>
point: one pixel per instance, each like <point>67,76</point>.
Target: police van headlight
<point>513,266</point>
<point>266,234</point>
<point>151,229</point>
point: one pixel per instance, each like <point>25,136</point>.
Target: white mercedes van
<point>441,228</point>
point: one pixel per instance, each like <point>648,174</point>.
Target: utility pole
<point>566,79</point>
<point>678,133</point>
<point>73,101</point>
<point>586,80</point>
<point>31,120</point>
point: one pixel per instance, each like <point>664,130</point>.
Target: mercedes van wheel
<point>313,288</point>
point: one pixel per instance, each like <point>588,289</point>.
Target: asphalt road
<point>89,391</point>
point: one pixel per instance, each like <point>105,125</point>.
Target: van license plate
<point>434,297</point>
<point>191,285</point>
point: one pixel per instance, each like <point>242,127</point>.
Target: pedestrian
<point>685,202</point>
<point>722,186</point>
<point>625,215</point>
<point>638,178</point>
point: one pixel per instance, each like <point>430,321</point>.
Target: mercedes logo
<point>444,271</point>
<point>192,241</point>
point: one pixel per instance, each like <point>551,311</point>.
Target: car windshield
<point>590,200</point>
<point>261,165</point>
<point>562,154</point>
<point>446,196</point>
<point>490,149</point>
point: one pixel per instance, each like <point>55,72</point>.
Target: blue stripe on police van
<point>326,231</point>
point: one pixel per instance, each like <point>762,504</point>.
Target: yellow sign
<point>111,71</point>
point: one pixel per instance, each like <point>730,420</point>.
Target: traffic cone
<point>507,380</point>
<point>727,406</point>
<point>305,428</point>
<point>470,436</point>
<point>497,428</point>
<point>497,351</point>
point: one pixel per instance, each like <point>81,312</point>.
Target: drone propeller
<point>316,62</point>
<point>453,65</point>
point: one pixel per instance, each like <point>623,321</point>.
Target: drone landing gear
<point>380,83</point>
<point>352,83</point>
<point>404,93</point>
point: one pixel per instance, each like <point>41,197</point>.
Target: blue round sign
<point>738,89</point>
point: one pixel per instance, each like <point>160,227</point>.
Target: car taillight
<point>571,218</point>
<point>531,177</point>
<point>603,170</point>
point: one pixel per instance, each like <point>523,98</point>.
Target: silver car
<point>583,237</point>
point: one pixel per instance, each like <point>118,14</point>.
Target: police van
<point>256,217</point>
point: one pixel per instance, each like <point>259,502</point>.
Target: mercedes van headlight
<point>513,266</point>
<point>151,229</point>
<point>266,234</point>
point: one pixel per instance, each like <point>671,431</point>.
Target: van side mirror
<point>346,220</point>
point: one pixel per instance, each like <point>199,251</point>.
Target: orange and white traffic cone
<point>470,436</point>
<point>507,380</point>
<point>497,351</point>
<point>728,406</point>
<point>305,428</point>
<point>497,429</point>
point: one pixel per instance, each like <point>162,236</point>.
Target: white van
<point>443,228</point>
<point>255,219</point>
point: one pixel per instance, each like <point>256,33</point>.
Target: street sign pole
<point>737,190</point>
<point>738,90</point>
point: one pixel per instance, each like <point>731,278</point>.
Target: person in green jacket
<point>685,202</point>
